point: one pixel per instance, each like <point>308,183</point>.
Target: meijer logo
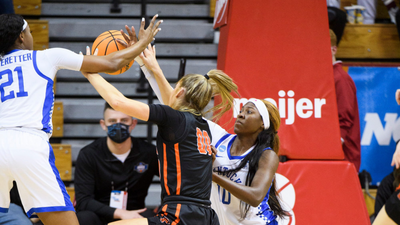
<point>288,106</point>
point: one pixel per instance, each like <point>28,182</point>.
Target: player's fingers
<point>142,24</point>
<point>127,39</point>
<point>133,37</point>
<point>140,210</point>
<point>157,24</point>
<point>151,25</point>
<point>87,50</point>
<point>142,56</point>
<point>154,50</point>
<point>128,30</point>
<point>96,51</point>
<point>214,150</point>
<point>156,31</point>
<point>123,43</point>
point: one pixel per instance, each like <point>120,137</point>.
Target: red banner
<point>279,50</point>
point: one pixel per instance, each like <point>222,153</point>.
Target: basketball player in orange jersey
<point>26,105</point>
<point>243,191</point>
<point>183,144</point>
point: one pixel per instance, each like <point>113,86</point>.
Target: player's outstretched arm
<point>150,65</point>
<point>161,85</point>
<point>118,59</point>
<point>115,98</point>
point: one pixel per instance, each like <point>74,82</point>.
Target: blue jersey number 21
<point>11,95</point>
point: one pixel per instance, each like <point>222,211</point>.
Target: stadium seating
<point>27,7</point>
<point>374,41</point>
<point>62,153</point>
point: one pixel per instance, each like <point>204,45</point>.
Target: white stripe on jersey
<point>26,86</point>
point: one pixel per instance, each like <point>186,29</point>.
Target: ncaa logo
<point>222,148</point>
<point>287,194</point>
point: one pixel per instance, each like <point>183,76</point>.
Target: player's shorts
<point>392,206</point>
<point>26,156</point>
<point>184,214</point>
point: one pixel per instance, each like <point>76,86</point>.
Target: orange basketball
<point>106,43</point>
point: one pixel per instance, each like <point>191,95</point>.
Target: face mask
<point>118,132</point>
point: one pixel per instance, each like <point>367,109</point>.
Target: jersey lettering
<point>11,95</point>
<point>224,196</point>
<point>203,142</point>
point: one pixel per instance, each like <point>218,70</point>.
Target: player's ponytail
<point>10,29</point>
<point>199,89</point>
<point>222,85</point>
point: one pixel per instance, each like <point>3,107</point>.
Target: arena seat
<point>370,202</point>
<point>375,41</point>
<point>71,193</point>
<point>89,29</point>
<point>62,153</point>
<point>27,7</point>
<point>40,33</point>
<point>58,119</point>
<point>310,187</point>
<point>102,9</point>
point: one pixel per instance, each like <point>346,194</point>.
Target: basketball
<point>106,43</point>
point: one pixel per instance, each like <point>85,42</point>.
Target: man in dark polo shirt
<point>113,173</point>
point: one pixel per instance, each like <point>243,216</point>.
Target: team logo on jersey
<point>141,167</point>
<point>222,148</point>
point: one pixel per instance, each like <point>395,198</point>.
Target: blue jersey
<point>26,86</point>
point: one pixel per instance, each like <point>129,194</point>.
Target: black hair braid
<point>264,140</point>
<point>10,29</point>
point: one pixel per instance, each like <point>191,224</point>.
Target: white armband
<point>150,77</point>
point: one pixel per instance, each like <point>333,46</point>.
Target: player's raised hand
<point>147,35</point>
<point>149,58</point>
<point>396,157</point>
<point>130,38</point>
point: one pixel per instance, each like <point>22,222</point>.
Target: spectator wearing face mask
<point>113,168</point>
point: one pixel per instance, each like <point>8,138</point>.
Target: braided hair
<point>266,139</point>
<point>10,28</point>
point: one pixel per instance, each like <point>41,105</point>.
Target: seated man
<point>111,167</point>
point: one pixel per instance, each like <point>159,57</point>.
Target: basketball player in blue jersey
<point>183,144</point>
<point>26,105</point>
<point>244,168</point>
